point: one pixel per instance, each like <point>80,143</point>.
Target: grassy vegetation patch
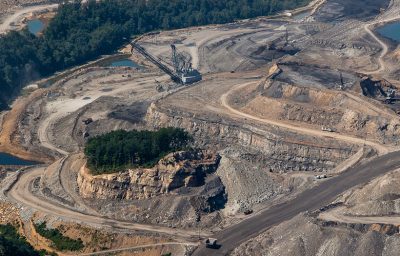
<point>119,150</point>
<point>60,242</point>
<point>12,244</point>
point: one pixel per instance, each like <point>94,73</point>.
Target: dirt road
<point>68,175</point>
<point>16,17</point>
<point>9,127</point>
<point>335,215</point>
<point>63,106</point>
<point>385,48</point>
<point>225,103</point>
<point>107,252</point>
<point>309,200</point>
<point>57,110</point>
<point>20,192</point>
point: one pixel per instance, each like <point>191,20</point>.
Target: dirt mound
<point>381,197</point>
<point>335,10</point>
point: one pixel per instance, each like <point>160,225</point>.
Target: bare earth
<point>278,112</point>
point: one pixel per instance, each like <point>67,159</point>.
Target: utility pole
<point>199,231</point>
<point>198,218</point>
<point>286,37</point>
<point>341,79</point>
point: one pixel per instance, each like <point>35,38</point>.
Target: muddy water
<point>391,31</point>
<point>7,159</point>
<point>124,63</point>
<point>301,15</point>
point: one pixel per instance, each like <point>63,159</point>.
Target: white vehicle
<point>327,129</point>
<point>319,177</point>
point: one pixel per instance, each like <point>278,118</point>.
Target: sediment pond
<point>391,31</point>
<point>301,15</point>
<point>124,63</point>
<point>7,159</point>
<point>35,26</point>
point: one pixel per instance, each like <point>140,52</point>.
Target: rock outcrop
<point>281,154</point>
<point>375,88</point>
<point>175,172</point>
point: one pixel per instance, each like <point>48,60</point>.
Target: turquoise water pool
<point>35,26</point>
<point>391,30</point>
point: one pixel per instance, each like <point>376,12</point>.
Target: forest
<point>81,32</point>
<point>119,150</point>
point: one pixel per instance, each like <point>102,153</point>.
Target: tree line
<point>83,31</point>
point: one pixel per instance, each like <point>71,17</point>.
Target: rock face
<point>177,171</point>
<point>280,154</point>
<point>374,88</point>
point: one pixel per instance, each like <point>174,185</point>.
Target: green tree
<point>119,150</point>
<point>81,32</point>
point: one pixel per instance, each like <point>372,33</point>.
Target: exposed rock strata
<point>280,154</point>
<point>176,171</point>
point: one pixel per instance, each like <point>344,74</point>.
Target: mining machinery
<point>183,72</point>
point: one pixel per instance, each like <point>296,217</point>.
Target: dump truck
<point>211,243</point>
<point>248,211</point>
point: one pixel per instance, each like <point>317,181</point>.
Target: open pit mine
<point>291,125</point>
